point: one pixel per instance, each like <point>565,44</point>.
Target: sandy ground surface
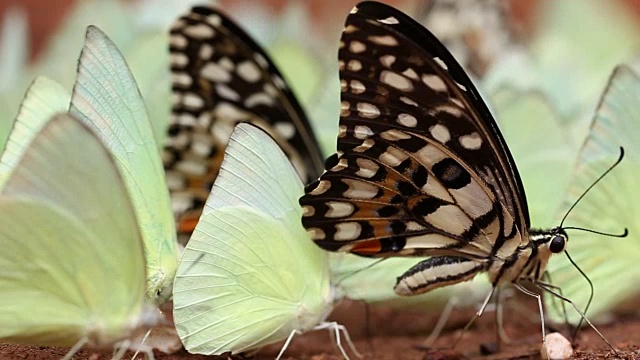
<point>389,334</point>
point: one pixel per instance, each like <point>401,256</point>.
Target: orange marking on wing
<point>367,247</point>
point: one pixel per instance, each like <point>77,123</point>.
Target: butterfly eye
<point>557,244</point>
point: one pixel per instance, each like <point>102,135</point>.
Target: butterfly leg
<point>475,316</point>
<point>337,328</point>
<point>82,342</point>
<point>442,320</point>
<point>582,315</point>
<point>119,349</point>
<point>539,298</point>
<point>549,284</point>
<point>502,335</point>
<point>286,343</point>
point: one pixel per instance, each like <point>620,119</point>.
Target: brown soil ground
<point>389,334</point>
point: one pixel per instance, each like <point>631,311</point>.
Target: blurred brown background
<point>45,15</point>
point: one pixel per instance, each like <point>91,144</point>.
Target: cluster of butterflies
<point>93,207</point>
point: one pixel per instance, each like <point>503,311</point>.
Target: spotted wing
<point>421,167</point>
<point>222,77</point>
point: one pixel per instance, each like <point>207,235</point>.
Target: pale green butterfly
<point>72,257</point>
<point>106,98</point>
<point>249,275</point>
<point>612,205</point>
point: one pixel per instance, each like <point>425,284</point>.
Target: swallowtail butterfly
<point>222,77</point>
<point>421,167</point>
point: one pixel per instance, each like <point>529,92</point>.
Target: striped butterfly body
<point>421,167</point>
<point>221,77</point>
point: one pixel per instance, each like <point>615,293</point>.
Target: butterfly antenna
<point>594,184</point>
<point>624,234</point>
<point>591,292</point>
<point>359,270</point>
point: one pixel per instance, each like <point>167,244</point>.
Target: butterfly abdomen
<point>436,272</point>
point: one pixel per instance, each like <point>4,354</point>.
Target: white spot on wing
<point>357,87</point>
<point>308,210</point>
<point>178,41</point>
<point>215,72</point>
<point>205,52</point>
<point>285,129</point>
<point>441,63</point>
<point>386,40</point>
<point>354,65</point>
<point>261,60</point>
<point>249,71</point>
<point>357,47</point>
<point>408,101</point>
<point>192,100</point>
<point>182,79</point>
<point>390,20</point>
<point>321,188</point>
<point>345,108</point>
<point>471,141</point>
<point>440,133</point>
<point>397,81</point>
<point>316,234</point>
<point>366,145</point>
<point>407,120</point>
<point>387,60</point>
<point>199,31</point>
<point>434,82</point>
<point>359,189</point>
<point>393,156</point>
<point>366,168</point>
<point>395,135</point>
<point>226,92</point>
<point>258,99</point>
<point>362,132</point>
<point>339,209</point>
<point>179,59</point>
<point>347,231</point>
<point>367,110</point>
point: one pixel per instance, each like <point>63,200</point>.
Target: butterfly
<point>615,122</point>
<point>220,78</point>
<point>247,277</point>
<point>106,98</point>
<point>421,168</point>
<point>73,252</point>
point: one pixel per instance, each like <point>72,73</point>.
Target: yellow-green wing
<point>72,263</point>
<point>106,98</point>
<point>250,275</point>
<point>43,99</point>
<point>610,206</point>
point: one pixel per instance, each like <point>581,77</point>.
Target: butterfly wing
<point>72,258</point>
<point>44,99</point>
<point>247,278</point>
<point>222,77</point>
<point>417,148</point>
<point>106,98</point>
<point>532,122</point>
<point>611,267</point>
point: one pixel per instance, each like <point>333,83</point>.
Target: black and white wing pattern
<point>222,77</point>
<point>421,167</point>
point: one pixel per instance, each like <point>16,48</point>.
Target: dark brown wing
<point>421,167</point>
<point>222,77</point>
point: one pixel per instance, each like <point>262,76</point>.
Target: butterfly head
<point>554,241</point>
<point>558,240</point>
